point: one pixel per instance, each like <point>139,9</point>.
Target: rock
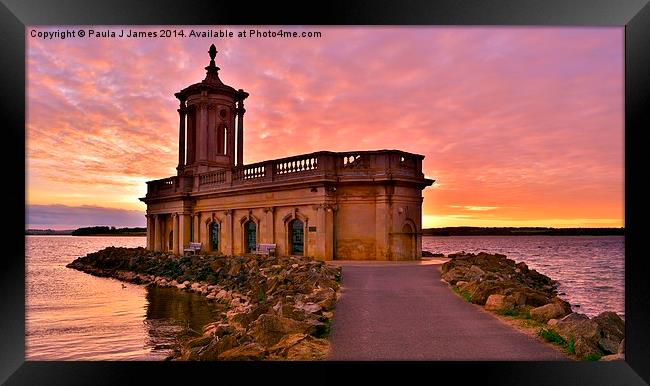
<point>612,326</point>
<point>309,348</point>
<point>584,348</point>
<point>250,351</point>
<point>498,302</point>
<point>460,283</point>
<point>585,333</point>
<point>608,345</point>
<point>552,322</point>
<point>613,357</point>
<point>268,329</point>
<point>518,299</point>
<point>475,273</point>
<point>574,317</point>
<point>621,347</point>
<point>549,311</point>
<point>311,308</point>
<point>218,346</point>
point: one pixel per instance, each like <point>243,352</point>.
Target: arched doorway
<point>214,236</point>
<point>250,236</point>
<point>297,237</point>
<point>407,242</point>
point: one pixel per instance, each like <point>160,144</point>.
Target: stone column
<point>184,224</point>
<point>196,234</point>
<point>181,137</point>
<point>240,133</point>
<point>149,233</point>
<point>157,234</point>
<point>231,143</point>
<point>175,234</point>
<point>270,225</point>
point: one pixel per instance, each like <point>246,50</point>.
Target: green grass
<point>593,357</point>
<point>464,294</point>
<point>514,313</point>
<point>551,336</point>
<point>571,346</point>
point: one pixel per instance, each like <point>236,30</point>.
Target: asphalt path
<point>406,312</point>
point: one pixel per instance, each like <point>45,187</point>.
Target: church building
<point>359,205</point>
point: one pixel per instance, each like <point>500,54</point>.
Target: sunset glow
<point>519,126</point>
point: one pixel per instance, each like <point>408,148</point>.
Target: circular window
<point>223,113</point>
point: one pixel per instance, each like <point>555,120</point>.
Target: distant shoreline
<point>531,231</point>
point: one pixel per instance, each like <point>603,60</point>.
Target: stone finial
<point>212,75</point>
<point>213,52</point>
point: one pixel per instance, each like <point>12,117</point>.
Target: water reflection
<point>172,313</point>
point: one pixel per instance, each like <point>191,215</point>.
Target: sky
<point>519,126</point>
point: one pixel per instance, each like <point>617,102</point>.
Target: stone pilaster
<point>157,245</point>
<point>149,233</point>
<point>175,233</point>
<point>228,229</point>
<point>270,224</point>
<point>197,231</point>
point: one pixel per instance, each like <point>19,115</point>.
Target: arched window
<point>214,236</point>
<point>250,236</point>
<point>297,237</point>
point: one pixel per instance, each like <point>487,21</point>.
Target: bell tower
<point>211,124</point>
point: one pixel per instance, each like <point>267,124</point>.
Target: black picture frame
<point>633,14</point>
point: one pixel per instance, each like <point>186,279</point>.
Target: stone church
<point>360,205</point>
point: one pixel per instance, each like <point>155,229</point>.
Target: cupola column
<point>240,132</point>
<point>181,137</point>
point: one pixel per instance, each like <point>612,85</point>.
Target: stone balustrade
<point>389,164</point>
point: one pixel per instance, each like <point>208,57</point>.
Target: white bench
<point>265,249</point>
<point>193,247</point>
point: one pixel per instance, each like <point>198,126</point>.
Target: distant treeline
<point>533,231</point>
<point>104,230</point>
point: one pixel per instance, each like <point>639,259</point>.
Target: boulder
<point>249,351</point>
<point>499,302</point>
<point>621,347</point>
<point>574,317</point>
<point>612,326</point>
<point>269,329</point>
<point>427,254</point>
<point>474,273</point>
<point>584,348</point>
<point>546,312</point>
<point>517,298</point>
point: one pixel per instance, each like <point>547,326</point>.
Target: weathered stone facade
<point>364,205</point>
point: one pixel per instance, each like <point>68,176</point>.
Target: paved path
<point>405,312</point>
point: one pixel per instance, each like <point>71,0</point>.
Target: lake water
<point>71,315</point>
<point>590,269</point>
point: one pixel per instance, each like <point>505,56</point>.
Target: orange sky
<point>519,126</point>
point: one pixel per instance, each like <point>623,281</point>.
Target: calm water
<point>590,270</point>
<point>71,315</point>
